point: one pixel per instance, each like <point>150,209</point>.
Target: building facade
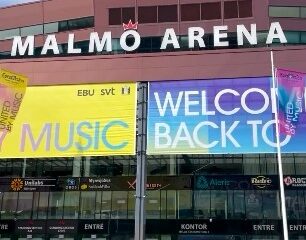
<point>72,188</point>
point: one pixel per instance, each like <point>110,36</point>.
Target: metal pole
<point>141,175</point>
<point>279,156</point>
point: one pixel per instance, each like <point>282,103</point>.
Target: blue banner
<point>216,116</point>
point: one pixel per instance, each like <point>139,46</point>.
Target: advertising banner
<point>216,116</point>
<point>291,87</point>
<point>76,120</point>
<point>12,91</point>
<point>236,182</point>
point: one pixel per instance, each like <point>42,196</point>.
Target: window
<point>114,16</point>
<point>230,9</point>
<point>87,205</point>
<point>190,12</point>
<point>9,205</point>
<point>270,205</point>
<point>31,30</point>
<point>119,204</point>
<point>293,37</point>
<point>117,16</point>
<point>293,12</point>
<point>202,204</point>
<point>51,27</point>
<point>153,205</point>
<point>10,33</point>
<point>245,8</point>
<point>303,37</point>
<point>236,204</point>
<point>128,14</point>
<point>167,13</point>
<point>56,201</point>
<point>71,205</point>
<point>211,11</point>
<point>25,200</point>
<point>185,210</point>
<point>42,208</point>
<point>303,12</point>
<point>147,14</point>
<point>218,204</point>
<point>81,23</point>
<point>253,201</point>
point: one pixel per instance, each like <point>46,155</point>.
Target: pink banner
<point>291,87</point>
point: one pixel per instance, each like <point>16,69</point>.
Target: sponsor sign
<point>95,184</point>
<point>32,184</point>
<point>78,120</point>
<point>237,182</point>
<point>295,181</point>
<point>261,182</point>
<point>216,116</point>
<point>68,184</point>
<point>163,183</point>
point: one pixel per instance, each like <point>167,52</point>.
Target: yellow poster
<point>12,90</point>
<point>75,120</point>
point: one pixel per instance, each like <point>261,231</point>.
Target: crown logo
<point>130,26</point>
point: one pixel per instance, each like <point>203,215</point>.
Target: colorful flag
<point>12,90</point>
<point>291,87</point>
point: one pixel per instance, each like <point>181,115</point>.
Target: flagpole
<point>279,156</point>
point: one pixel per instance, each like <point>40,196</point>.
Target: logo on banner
<point>295,181</point>
<point>17,184</point>
<point>205,183</point>
<point>149,185</point>
<point>75,124</point>
<point>202,183</point>
<point>261,182</point>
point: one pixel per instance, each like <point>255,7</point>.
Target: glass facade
<point>181,190</point>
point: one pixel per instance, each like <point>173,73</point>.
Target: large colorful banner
<point>76,120</point>
<point>216,116</point>
<point>291,87</point>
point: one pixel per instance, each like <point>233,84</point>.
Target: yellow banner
<point>76,120</point>
<point>12,90</point>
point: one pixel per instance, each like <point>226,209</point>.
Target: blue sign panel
<point>217,116</point>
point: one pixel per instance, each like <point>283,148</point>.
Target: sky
<point>5,3</point>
